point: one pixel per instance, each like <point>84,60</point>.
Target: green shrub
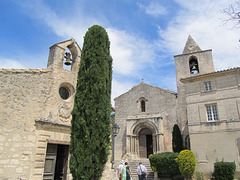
<point>187,163</point>
<point>165,163</point>
<point>224,170</point>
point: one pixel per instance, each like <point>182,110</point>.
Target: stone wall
<point>33,113</point>
<point>213,141</point>
<point>24,95</point>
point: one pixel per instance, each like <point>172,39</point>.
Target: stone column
<point>128,144</point>
<point>154,143</point>
<point>161,143</point>
<point>137,145</point>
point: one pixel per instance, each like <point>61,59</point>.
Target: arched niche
<point>193,65</point>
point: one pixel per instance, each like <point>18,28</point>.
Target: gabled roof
<point>191,46</point>
<point>141,84</point>
<point>69,41</point>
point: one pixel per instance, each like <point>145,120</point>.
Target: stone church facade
<point>36,109</point>
<point>35,121</point>
<point>206,108</point>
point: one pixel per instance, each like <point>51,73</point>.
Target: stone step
<point>135,163</point>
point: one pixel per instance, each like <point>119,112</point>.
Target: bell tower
<point>63,80</point>
<point>58,57</point>
<point>192,62</point>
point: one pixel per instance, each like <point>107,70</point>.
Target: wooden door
<point>62,162</point>
<point>56,162</point>
<point>50,162</point>
<point>149,145</point>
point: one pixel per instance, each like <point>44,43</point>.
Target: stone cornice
<point>198,77</point>
<point>24,70</point>
<point>193,53</point>
<point>144,116</point>
<point>43,122</point>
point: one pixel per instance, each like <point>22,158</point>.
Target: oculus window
<point>66,91</point>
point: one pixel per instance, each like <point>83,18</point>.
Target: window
<point>141,104</point>
<point>238,146</point>
<point>143,109</point>
<point>66,91</point>
<point>212,113</point>
<point>208,86</point>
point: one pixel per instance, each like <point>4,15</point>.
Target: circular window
<point>66,90</point>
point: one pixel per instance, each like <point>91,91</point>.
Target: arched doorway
<point>144,139</point>
<point>145,143</point>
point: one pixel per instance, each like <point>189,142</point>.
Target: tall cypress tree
<point>177,141</point>
<point>92,107</point>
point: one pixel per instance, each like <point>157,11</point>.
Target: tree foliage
<point>90,126</point>
<point>233,15</point>
<point>177,141</point>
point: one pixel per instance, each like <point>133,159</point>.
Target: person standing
<point>142,172</point>
<point>126,172</point>
<point>120,169</point>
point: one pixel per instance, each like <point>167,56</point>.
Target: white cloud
<point>202,20</point>
<point>153,9</point>
<point>10,63</point>
<point>130,53</point>
<point>66,27</point>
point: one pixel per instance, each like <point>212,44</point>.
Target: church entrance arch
<point>145,139</point>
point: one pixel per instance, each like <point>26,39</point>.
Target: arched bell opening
<point>70,56</point>
<point>64,55</point>
<point>193,65</point>
<point>67,61</point>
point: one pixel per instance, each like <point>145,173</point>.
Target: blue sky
<point>144,34</point>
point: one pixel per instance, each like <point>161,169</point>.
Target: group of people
<point>125,173</point>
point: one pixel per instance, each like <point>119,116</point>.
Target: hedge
<point>165,163</point>
<point>224,170</point>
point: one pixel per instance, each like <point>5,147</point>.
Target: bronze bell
<point>194,67</point>
<point>68,59</point>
